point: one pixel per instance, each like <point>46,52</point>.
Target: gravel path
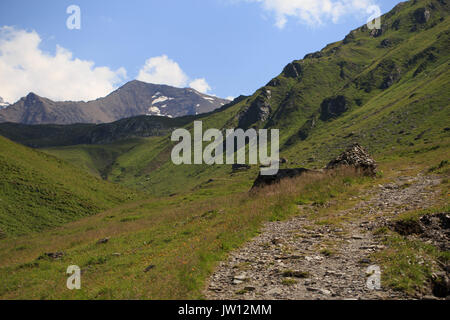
<point>297,259</point>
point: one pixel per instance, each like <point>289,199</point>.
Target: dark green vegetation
<point>53,135</point>
<point>40,191</point>
<point>387,90</point>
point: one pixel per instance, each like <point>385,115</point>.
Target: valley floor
<point>311,237</point>
<point>300,259</point>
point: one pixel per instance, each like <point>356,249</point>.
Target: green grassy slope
<point>182,237</point>
<point>96,159</point>
<point>39,191</point>
<point>396,90</point>
<point>397,104</point>
<point>388,90</point>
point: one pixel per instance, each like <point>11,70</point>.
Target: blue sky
<point>224,47</point>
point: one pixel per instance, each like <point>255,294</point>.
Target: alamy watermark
<point>74,280</point>
<point>234,143</point>
<point>73,22</point>
<point>374,277</point>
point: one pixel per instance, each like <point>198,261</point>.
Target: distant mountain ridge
<point>132,99</point>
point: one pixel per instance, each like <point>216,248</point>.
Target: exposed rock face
<point>386,43</point>
<point>262,181</point>
<point>434,228</point>
<point>305,130</point>
<point>355,156</point>
<point>258,111</point>
<point>315,55</point>
<point>52,255</point>
<point>274,83</point>
<point>240,167</point>
<point>422,15</point>
<point>376,33</point>
<point>349,37</point>
<point>103,241</point>
<point>333,107</point>
<point>440,282</point>
<point>293,70</point>
<point>132,99</point>
<point>391,78</point>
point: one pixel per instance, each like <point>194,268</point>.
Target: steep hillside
<point>132,99</point>
<point>38,191</point>
<point>388,90</point>
<point>52,135</point>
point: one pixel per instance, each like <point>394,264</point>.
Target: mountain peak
<point>32,98</point>
<point>134,98</point>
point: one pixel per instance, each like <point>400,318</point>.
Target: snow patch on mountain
<point>161,99</point>
<point>154,111</point>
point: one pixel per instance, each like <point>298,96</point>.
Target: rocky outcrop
<point>262,181</point>
<point>386,43</point>
<point>376,33</point>
<point>52,255</point>
<point>349,37</point>
<point>440,284</point>
<point>103,241</point>
<point>333,107</point>
<point>391,78</point>
<point>258,111</point>
<point>240,167</point>
<point>275,82</point>
<point>434,228</point>
<point>306,129</point>
<point>357,157</point>
<point>315,55</point>
<point>293,70</point>
<point>422,15</point>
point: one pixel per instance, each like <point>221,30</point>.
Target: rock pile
<point>355,156</point>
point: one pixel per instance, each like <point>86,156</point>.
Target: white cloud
<point>200,85</point>
<point>313,12</point>
<point>24,67</point>
<point>163,70</point>
<point>230,98</point>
